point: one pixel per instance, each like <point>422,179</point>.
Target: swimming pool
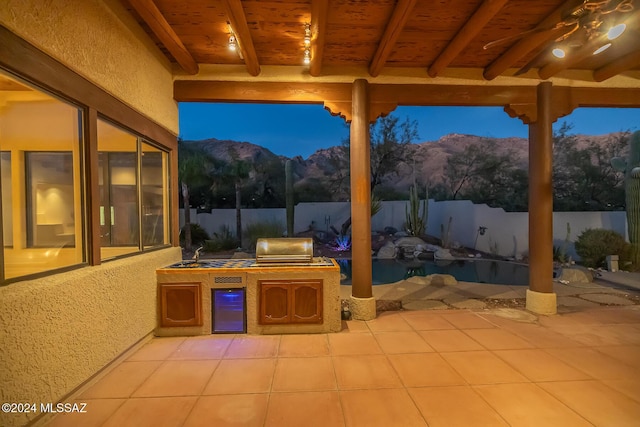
<point>472,270</point>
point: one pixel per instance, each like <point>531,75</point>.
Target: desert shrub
<point>198,235</point>
<point>221,241</point>
<point>595,244</point>
<point>262,229</point>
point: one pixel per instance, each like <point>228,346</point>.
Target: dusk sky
<point>292,130</point>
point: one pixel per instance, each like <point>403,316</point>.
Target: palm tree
<point>236,172</point>
<point>194,164</point>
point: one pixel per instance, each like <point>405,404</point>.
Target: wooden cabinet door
<point>306,301</point>
<point>180,304</point>
<point>274,302</point>
<point>290,301</point>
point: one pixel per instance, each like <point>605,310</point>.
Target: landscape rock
<point>388,251</point>
<point>576,275</point>
<point>442,279</point>
<point>434,279</point>
<point>410,241</point>
<point>444,254</point>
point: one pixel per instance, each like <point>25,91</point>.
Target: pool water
<point>473,270</point>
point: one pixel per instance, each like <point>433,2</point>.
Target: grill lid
<point>284,250</point>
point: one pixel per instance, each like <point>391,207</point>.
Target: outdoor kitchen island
<point>273,294</point>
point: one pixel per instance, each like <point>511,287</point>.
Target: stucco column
<point>540,296</point>
<point>362,301</point>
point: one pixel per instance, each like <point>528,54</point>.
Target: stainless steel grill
<point>290,250</point>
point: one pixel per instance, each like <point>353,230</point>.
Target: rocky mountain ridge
<point>428,158</point>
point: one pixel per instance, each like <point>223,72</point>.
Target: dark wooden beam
<point>620,65</point>
<point>401,14</point>
<point>238,21</point>
<point>538,37</point>
<point>471,28</point>
<point>573,57</point>
<point>600,96</point>
<point>339,94</point>
<point>275,92</point>
<point>452,95</point>
<point>150,13</point>
<point>319,17</point>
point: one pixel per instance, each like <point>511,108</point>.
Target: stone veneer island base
<point>283,299</point>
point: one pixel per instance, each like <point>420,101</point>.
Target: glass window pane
<point>41,180</point>
<point>50,199</point>
<point>7,197</point>
<point>118,182</point>
<point>155,230</point>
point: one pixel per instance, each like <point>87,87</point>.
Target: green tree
<point>194,165</point>
<point>237,171</point>
<point>388,141</point>
<point>583,178</point>
<point>483,175</point>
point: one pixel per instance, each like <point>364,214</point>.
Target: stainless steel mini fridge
<point>228,311</point>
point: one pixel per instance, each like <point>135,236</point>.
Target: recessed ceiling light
<point>602,48</point>
<point>616,31</point>
<point>558,52</point>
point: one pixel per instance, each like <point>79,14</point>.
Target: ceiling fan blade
<point>503,40</point>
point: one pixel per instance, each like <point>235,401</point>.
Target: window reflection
<point>7,196</point>
<point>50,200</point>
<point>118,171</point>
<point>41,180</point>
<point>133,182</point>
<point>154,196</point>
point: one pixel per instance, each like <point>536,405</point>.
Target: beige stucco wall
<point>58,331</point>
<point>101,41</point>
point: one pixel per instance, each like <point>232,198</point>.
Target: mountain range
<point>429,158</point>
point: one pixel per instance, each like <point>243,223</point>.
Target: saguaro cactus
<point>288,170</point>
<point>416,223</point>
<point>631,168</point>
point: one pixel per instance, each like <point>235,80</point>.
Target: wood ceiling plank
<point>238,22</point>
<point>472,27</point>
<point>319,19</point>
<point>401,13</point>
<point>357,33</point>
<point>627,62</point>
<point>528,44</point>
<point>150,13</point>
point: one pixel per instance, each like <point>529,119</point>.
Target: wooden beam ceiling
<point>150,13</point>
<point>385,38</point>
<point>319,18</point>
<point>578,55</point>
<point>401,13</point>
<point>471,28</point>
<point>627,62</point>
<point>537,38</point>
<point>238,22</point>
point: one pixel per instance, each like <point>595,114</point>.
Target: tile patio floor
<point>408,368</point>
